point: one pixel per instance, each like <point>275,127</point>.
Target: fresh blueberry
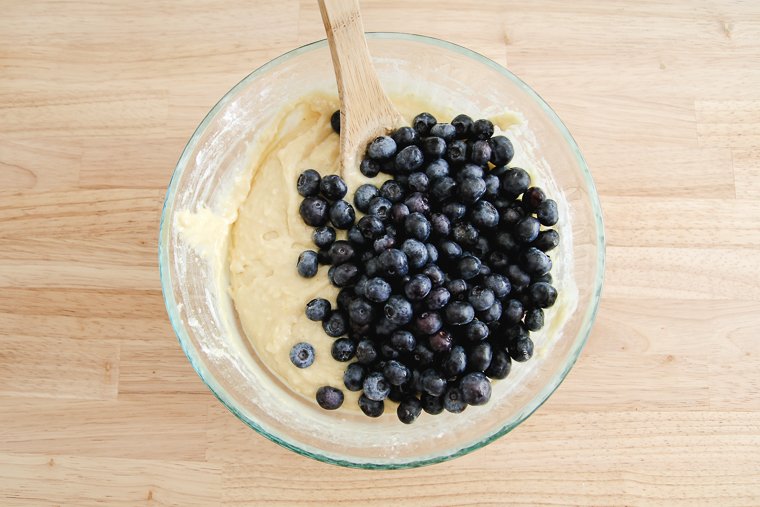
<point>387,166</point>
<point>515,181</point>
<point>476,331</point>
<point>355,235</point>
<point>433,147</point>
<point>308,183</point>
<point>417,202</point>
<point>534,319</point>
<point>370,168</point>
<point>479,356</point>
<point>464,233</point>
<point>471,189</point>
<point>433,382</point>
<point>542,295</point>
<point>527,229</point>
<point>492,186</point>
<point>437,169</point>
<point>547,212</point>
<point>463,125</point>
<point>343,274</point>
<point>392,191</point>
<point>492,314</point>
<point>417,226</point>
<point>382,147</point>
<point>323,236</point>
<point>521,350</point>
<point>532,198</point>
<point>453,401</point>
<point>446,131</point>
<point>370,226</point>
<point>480,153</point>
<point>481,298</point>
<point>513,311</point>
<point>500,365</point>
<point>409,159</point>
<point>313,211</point>
<point>335,324</point>
<point>366,352</point>
<point>423,122</point>
<point>440,225</point>
<point>417,287</point>
<point>379,207</point>
<point>499,261</point>
<point>364,195</point>
<point>333,187</point>
<point>302,355</point>
<point>377,290</point>
<point>476,388</point>
<point>484,215</point>
<point>393,263</point>
<point>428,323</point>
<point>329,398</point>
<point>450,250</point>
<point>455,362</point>
<point>361,311</point>
<point>513,213</point>
<point>456,287</point>
<point>396,373</point>
<point>499,284</point>
<point>384,242</point>
<point>422,356</point>
<point>443,188</point>
<point>353,377</point>
<point>482,129</point>
<point>376,387</point>
<point>385,327</point>
<point>547,277</point>
<point>416,253</point>
<point>387,351</point>
<point>506,242</point>
<point>469,171</point>
<point>409,410</point>
<point>403,341</point>
<point>343,349</point>
<point>418,182</point>
<point>440,341</point>
<point>547,240</point>
<point>342,214</point>
<point>318,309</point>
<point>536,262</point>
<point>307,264</point>
<point>432,252</point>
<point>345,296</point>
<point>335,121</point>
<point>371,408</point>
<point>458,313</point>
<point>501,150</point>
<point>433,405</point>
<point>398,213</point>
<point>454,210</point>
<point>517,277</point>
<point>398,310</point>
<point>405,136</point>
<point>437,299</point>
<point>457,152</point>
<point>481,249</point>
<point>468,267</point>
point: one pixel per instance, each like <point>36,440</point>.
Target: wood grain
<point>98,405</point>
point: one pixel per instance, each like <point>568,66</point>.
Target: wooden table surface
<point>98,404</point>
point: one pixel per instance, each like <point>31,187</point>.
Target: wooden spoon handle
<point>366,111</point>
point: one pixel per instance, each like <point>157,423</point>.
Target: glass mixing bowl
<point>217,154</point>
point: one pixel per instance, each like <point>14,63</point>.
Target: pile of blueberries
<point>443,277</point>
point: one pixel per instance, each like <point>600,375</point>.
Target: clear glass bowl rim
<point>538,400</point>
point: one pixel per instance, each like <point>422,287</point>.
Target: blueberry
<point>393,263</point>
<point>377,290</point>
<point>417,226</point>
<point>450,250</point>
<point>476,388</point>
<point>387,351</point>
<point>482,129</point>
<point>481,298</point>
<point>396,373</point>
<point>342,215</point>
<point>445,131</point>
<point>471,189</point>
<point>455,362</point>
<point>463,126</point>
<point>547,212</point>
<point>392,191</point>
<point>492,186</point>
<point>409,410</point>
<point>318,309</point>
<point>385,327</point>
<point>458,313</point>
<point>433,382</point>
<point>371,408</point>
<point>433,147</point>
<point>532,198</point>
<point>417,287</point>
<point>355,235</point>
<point>433,405</point>
<point>536,262</point>
<point>547,277</point>
<point>501,150</point>
<point>499,284</point>
<point>437,298</point>
<point>302,355</point>
<point>423,122</point>
<point>456,287</point>
<point>534,319</point>
<point>506,242</point>
<point>476,331</point>
<point>398,310</point>
<point>453,401</point>
<point>437,169</point>
<point>546,240</point>
<point>417,202</point>
<point>307,264</point>
<point>418,182</point>
<point>432,252</point>
<point>513,213</point>
<point>468,267</point>
<point>498,261</point>
<point>366,352</point>
<point>436,274</point>
<point>479,357</point>
<point>343,274</point>
<point>364,195</point>
<point>382,147</point>
<point>464,233</point>
<point>484,215</point>
<point>500,365</point>
<point>329,398</point>
<point>542,295</point>
<point>383,243</point>
<point>454,210</point>
<point>440,341</point>
<point>323,236</point>
<point>335,121</point>
<point>333,187</point>
<point>398,213</point>
<point>379,207</point>
<point>361,311</point>
<point>443,188</point>
<point>428,323</point>
<point>492,314</point>
<point>485,269</point>
<point>343,349</point>
<point>369,168</point>
<point>403,341</point>
<point>527,229</point>
<point>521,350</point>
<point>515,182</point>
<point>457,152</point>
<point>313,211</point>
<point>353,377</point>
<point>513,311</point>
<point>345,296</point>
<point>376,387</point>
<point>517,277</point>
<point>387,166</point>
<point>440,225</point>
<point>409,159</point>
<point>335,324</point>
<point>308,183</point>
<point>469,171</point>
<point>416,253</point>
<point>405,136</point>
<point>480,153</point>
<point>422,356</point>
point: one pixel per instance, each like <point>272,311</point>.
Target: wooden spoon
<point>365,110</point>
